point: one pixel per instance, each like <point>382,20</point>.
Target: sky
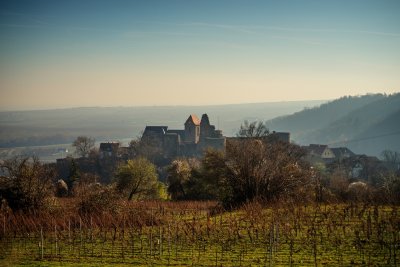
<point>75,53</point>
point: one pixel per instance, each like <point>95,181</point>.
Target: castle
<point>197,136</point>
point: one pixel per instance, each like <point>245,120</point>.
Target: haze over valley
<point>62,126</point>
<point>366,124</point>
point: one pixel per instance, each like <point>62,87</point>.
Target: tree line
<point>254,167</point>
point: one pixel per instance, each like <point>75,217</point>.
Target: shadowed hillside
<point>366,124</point>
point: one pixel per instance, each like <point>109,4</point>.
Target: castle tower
<point>205,127</point>
<point>192,129</point>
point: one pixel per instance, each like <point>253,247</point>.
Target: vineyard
<point>198,234</point>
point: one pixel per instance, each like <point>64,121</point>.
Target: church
<point>197,136</point>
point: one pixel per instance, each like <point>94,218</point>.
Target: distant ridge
<point>62,126</point>
<point>271,103</point>
<point>367,124</point>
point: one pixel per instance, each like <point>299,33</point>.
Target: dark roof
<point>342,152</point>
<point>109,146</point>
<point>316,149</point>
<point>155,130</point>
<point>193,118</point>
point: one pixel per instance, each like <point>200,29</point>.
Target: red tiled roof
<point>194,119</point>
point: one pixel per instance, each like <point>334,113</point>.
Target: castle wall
<point>171,145</point>
<point>189,150</point>
<point>210,142</point>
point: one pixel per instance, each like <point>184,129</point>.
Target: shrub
<point>95,198</point>
<point>61,188</point>
<point>27,184</point>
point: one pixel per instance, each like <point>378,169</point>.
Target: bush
<point>61,188</point>
<point>27,184</point>
<point>257,169</point>
<point>95,198</point>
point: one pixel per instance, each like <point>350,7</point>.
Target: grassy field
<point>195,234</point>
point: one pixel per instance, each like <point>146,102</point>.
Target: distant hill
<point>366,124</point>
<point>62,126</point>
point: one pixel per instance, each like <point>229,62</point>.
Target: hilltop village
<point>158,143</point>
<point>162,145</point>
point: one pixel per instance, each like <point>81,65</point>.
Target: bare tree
<point>392,159</point>
<point>391,186</point>
<point>391,156</point>
<point>391,180</point>
<point>27,183</point>
<point>83,145</point>
<point>253,129</point>
<point>262,170</point>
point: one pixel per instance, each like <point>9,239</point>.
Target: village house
<point>317,153</point>
<point>342,153</point>
<point>324,154</point>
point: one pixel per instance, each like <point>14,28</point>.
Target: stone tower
<point>192,129</point>
<point>205,127</point>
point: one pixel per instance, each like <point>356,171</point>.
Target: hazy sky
<point>126,53</point>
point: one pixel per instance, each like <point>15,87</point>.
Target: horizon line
<point>167,106</point>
